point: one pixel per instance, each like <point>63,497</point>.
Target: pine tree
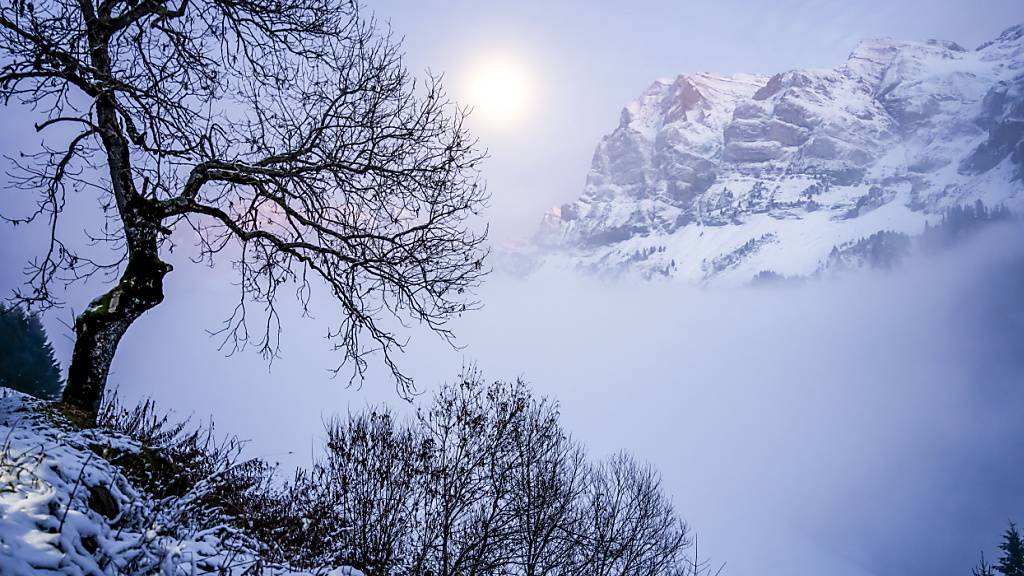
<point>27,360</point>
<point>1012,562</point>
<point>983,568</point>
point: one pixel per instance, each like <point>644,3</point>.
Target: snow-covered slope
<point>711,178</point>
<point>66,510</point>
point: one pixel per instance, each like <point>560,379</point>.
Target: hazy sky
<point>854,428</point>
<point>588,58</point>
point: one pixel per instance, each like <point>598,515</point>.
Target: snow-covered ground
<point>65,509</point>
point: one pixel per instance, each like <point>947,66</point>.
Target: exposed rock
<point>811,158</point>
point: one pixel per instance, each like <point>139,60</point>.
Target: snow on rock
<point>702,168</point>
<point>66,510</point>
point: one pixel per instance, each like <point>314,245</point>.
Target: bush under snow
<point>66,509</point>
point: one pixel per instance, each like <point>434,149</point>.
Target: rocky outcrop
<point>704,164</point>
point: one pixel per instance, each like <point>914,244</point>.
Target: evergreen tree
<point>1012,562</point>
<point>959,222</point>
<point>983,568</point>
<point>27,361</point>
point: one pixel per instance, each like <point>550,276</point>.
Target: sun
<point>500,90</point>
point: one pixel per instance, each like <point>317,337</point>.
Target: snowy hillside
<point>66,508</point>
<point>713,179</point>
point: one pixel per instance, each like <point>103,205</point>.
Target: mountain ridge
<point>702,165</point>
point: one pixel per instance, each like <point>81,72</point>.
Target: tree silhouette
<point>1012,561</point>
<point>481,480</point>
<point>983,568</point>
<point>285,135</point>
<point>27,362</point>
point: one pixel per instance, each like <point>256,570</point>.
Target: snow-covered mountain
<point>713,178</point>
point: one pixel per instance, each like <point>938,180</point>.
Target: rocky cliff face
<point>712,178</point>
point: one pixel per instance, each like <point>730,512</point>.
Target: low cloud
<point>869,424</point>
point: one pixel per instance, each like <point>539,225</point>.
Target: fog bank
<point>863,425</point>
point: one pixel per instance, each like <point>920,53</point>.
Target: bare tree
<point>284,133</point>
<point>471,428</point>
<point>373,471</point>
<point>548,479</point>
<point>484,481</point>
<point>627,525</point>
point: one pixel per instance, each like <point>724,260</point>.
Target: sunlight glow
<point>500,91</point>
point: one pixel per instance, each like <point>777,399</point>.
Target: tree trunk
<point>99,329</point>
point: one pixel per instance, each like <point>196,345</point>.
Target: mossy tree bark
<point>99,329</point>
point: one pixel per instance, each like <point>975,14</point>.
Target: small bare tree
<point>285,132</point>
<point>549,478</point>
<point>471,427</point>
<point>372,475</point>
<point>483,481</point>
<point>627,524</point>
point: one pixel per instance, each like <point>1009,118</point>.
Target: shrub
<point>192,463</point>
<point>483,481</point>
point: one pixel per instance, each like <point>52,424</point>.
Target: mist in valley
<point>862,424</point>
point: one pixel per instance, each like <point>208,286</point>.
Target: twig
<point>78,482</point>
